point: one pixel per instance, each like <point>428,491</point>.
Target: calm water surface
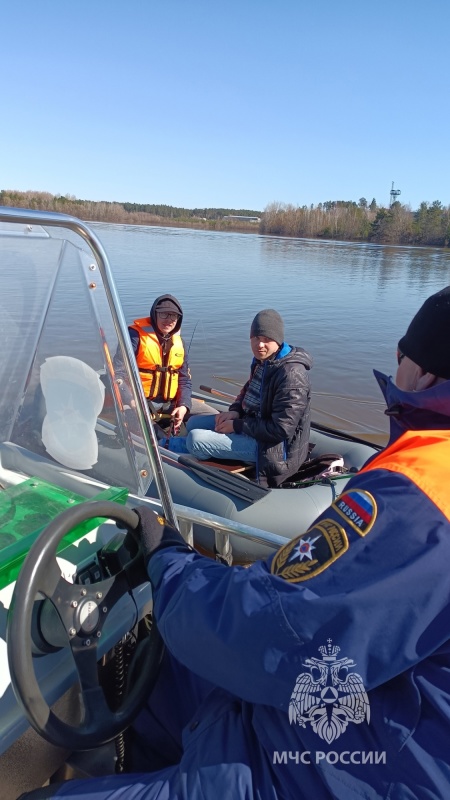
<point>347,304</point>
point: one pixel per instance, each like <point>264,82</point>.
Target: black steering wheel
<point>83,611</point>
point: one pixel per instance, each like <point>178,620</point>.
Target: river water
<point>346,303</point>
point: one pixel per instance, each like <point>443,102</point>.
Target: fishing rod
<point>316,394</point>
<point>317,425</point>
<point>193,334</point>
<point>337,417</point>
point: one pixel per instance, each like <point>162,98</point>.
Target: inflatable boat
<point>75,601</point>
<point>288,510</point>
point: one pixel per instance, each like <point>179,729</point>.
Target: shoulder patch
<point>358,508</point>
<point>312,552</point>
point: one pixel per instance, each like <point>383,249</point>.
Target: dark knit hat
<point>427,340</point>
<point>268,323</point>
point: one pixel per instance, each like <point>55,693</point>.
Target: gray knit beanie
<point>268,323</point>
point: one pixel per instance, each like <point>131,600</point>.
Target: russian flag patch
<point>358,508</point>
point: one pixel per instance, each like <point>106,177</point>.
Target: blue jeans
<point>204,443</point>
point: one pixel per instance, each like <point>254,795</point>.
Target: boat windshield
<point>67,385</point>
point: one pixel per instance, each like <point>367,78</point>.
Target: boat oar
<point>216,393</point>
<point>229,380</point>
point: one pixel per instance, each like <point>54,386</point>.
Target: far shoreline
<point>333,221</point>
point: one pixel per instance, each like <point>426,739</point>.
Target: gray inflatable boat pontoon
<point>286,511</point>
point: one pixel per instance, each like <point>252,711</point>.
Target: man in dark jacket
<point>268,423</point>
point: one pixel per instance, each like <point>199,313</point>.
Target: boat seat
<point>228,466</point>
<point>237,485</point>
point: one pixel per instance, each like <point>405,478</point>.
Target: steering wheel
<point>83,611</point>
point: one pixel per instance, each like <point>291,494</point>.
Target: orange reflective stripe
<point>424,458</point>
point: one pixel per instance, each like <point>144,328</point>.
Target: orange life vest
<point>423,456</point>
<point>158,379</point>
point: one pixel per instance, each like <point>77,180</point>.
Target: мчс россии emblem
<point>328,696</point>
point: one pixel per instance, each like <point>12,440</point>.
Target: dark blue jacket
<point>331,660</point>
<point>371,578</point>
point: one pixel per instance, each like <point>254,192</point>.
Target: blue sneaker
<point>177,444</point>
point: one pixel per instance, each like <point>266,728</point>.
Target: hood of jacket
<point>153,315</point>
<point>409,411</point>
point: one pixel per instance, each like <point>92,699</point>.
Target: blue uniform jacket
<point>336,650</point>
<point>329,664</point>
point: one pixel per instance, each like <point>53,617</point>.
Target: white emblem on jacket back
<point>328,696</point>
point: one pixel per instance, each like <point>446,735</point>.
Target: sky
<point>235,104</point>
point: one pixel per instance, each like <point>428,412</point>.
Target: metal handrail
<point>179,516</point>
<point>222,529</point>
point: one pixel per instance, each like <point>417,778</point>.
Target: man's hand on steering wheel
<point>155,533</point>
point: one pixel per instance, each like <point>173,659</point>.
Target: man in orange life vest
<point>163,363</point>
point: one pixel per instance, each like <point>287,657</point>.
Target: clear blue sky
<point>235,104</point>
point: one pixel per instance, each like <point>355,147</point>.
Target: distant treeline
<point>129,213</point>
<point>171,212</point>
<point>350,221</point>
<point>335,219</point>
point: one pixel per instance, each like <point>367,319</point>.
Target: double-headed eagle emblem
<point>328,696</point>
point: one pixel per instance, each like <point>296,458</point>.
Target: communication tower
<point>394,194</point>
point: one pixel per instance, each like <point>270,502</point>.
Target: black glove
<point>155,533</point>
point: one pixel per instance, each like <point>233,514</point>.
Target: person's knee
<point>191,442</point>
<point>196,445</point>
